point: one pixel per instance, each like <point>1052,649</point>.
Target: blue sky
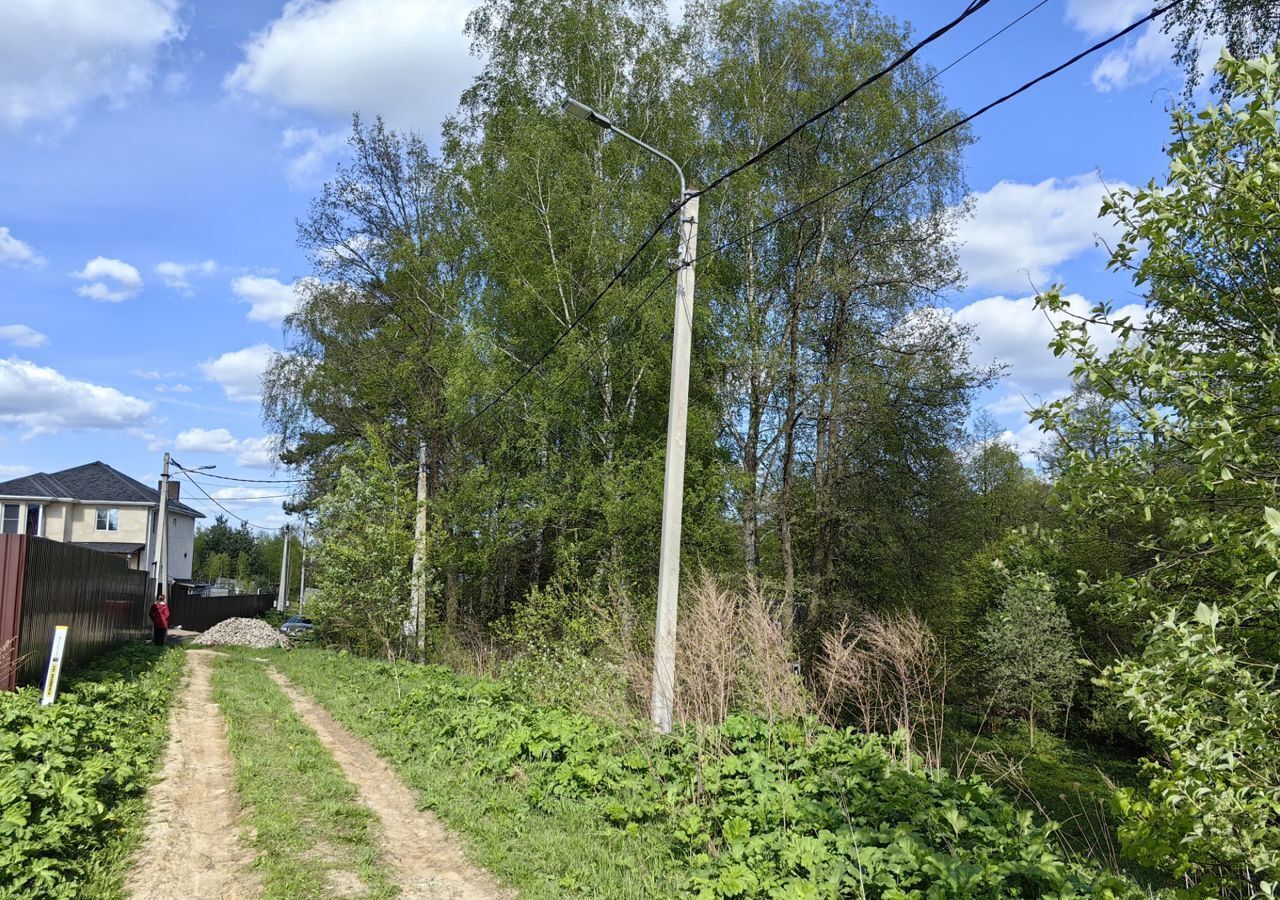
<point>155,154</point>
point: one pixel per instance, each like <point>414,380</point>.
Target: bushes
<point>751,809</point>
<point>1031,651</point>
<point>72,775</point>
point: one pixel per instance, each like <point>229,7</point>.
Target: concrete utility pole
<point>282,596</point>
<point>302,575</point>
<point>417,600</point>
<point>664,639</point>
<point>162,532</point>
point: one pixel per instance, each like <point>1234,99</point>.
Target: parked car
<point>296,626</point>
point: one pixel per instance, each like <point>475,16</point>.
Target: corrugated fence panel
<point>102,600</point>
<point>201,613</point>
<point>13,558</point>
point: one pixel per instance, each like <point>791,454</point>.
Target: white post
<point>162,532</point>
<point>282,595</point>
<point>302,576</point>
<point>664,643</point>
<point>417,598</point>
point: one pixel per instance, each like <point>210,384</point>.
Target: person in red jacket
<point>160,619</point>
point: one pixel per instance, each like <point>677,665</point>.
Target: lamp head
<point>576,110</point>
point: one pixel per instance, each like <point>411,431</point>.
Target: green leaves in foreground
<point>73,775</point>
<point>750,810</point>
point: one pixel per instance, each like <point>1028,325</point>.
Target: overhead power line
<point>941,133</point>
<point>844,185</point>
<point>254,480</point>
<point>577,320</point>
<point>200,488</point>
<point>972,8</point>
<point>847,95</point>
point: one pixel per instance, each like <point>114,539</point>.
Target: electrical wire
<point>254,480</point>
<point>970,10</point>
<point>577,320</point>
<point>845,97</point>
<point>200,488</point>
<point>941,133</point>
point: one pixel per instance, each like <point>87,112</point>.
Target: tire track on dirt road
<point>191,847</point>
<point>429,861</point>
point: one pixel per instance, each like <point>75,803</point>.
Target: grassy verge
<point>559,804</point>
<point>555,848</point>
<point>313,836</point>
<point>74,775</point>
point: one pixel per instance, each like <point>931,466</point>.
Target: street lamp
<point>664,640</point>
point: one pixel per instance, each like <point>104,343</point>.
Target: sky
<point>156,154</point>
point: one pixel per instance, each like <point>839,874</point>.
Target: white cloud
<point>8,471</point>
<point>312,150</point>
<point>111,280</point>
<point>248,495</point>
<point>178,275</point>
<point>239,372</point>
<point>1024,231</point>
<point>1101,17</point>
<point>407,60</point>
<point>44,400</point>
<point>203,440</point>
<point>17,252</point>
<point>269,300</point>
<point>22,336</point>
<point>1027,439</point>
<point>1014,332</point>
<point>255,453</point>
<point>173,388</point>
<point>56,57</point>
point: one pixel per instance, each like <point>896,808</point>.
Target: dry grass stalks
<point>471,651</point>
<point>889,674</point>
<point>733,654</point>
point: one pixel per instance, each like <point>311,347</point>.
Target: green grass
<point>1066,781</point>
<point>550,850</point>
<point>74,775</point>
<point>309,828</point>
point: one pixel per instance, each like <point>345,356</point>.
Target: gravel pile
<point>243,633</point>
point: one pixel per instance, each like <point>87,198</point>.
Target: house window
<point>108,520</point>
<point>33,519</point>
<point>10,520</point>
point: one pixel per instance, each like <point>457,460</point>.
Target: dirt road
<point>191,848</point>
<point>428,860</point>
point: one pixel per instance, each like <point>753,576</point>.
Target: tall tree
<point>1194,466</point>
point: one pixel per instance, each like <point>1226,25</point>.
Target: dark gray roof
<point>94,482</point>
<point>110,547</point>
<point>37,485</point>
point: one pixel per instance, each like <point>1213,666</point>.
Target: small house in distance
<point>103,509</point>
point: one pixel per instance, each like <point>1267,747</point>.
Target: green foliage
<point>749,810</point>
<point>307,822</point>
<point>1175,453</point>
<point>563,617</point>
<point>362,553</point>
<point>1030,651</point>
<point>73,774</point>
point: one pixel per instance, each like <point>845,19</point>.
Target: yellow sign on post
<point>55,665</point>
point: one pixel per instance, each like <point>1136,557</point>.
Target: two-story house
<point>98,507</point>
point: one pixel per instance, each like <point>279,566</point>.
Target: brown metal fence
<point>45,583</point>
<point>200,613</point>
